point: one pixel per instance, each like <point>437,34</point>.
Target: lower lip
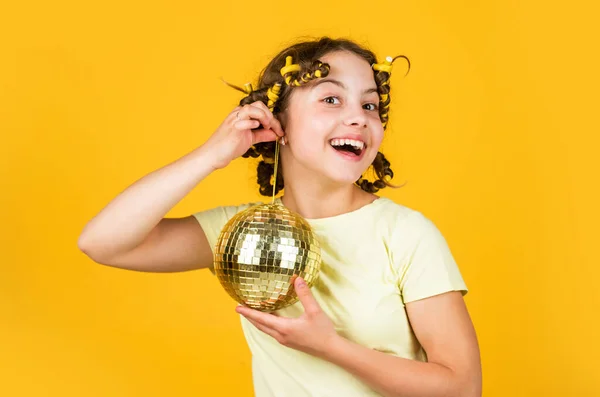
<point>349,156</point>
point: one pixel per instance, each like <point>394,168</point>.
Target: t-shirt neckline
<point>357,212</point>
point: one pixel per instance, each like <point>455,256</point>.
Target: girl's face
<point>332,125</point>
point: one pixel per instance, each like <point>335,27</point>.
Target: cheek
<point>378,137</point>
<point>320,124</point>
<point>377,132</point>
<point>310,126</point>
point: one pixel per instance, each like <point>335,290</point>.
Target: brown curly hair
<point>307,54</point>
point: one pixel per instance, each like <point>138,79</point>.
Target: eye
<point>332,100</point>
<point>370,106</point>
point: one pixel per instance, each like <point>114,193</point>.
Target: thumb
<point>306,297</point>
<point>263,135</point>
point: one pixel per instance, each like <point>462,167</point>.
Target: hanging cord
<point>275,169</point>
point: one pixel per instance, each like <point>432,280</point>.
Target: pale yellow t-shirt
<point>374,260</point>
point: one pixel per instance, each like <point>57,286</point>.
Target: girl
<point>386,315</point>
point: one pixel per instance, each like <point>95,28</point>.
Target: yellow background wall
<point>494,131</point>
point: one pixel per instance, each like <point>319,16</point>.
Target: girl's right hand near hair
<point>240,130</point>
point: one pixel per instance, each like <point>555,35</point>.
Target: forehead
<point>348,66</point>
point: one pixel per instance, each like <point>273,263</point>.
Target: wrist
<point>206,159</point>
<point>335,349</point>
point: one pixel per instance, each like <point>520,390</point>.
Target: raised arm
<point>132,232</point>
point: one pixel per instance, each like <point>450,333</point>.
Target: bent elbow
<point>85,245</point>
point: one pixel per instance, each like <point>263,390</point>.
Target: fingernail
<point>301,283</point>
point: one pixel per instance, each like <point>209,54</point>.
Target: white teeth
<point>340,142</point>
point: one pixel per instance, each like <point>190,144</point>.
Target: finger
<point>254,112</point>
<point>275,124</point>
<point>246,124</point>
<point>263,135</point>
<point>266,330</point>
<point>311,306</point>
<point>261,105</point>
<point>234,113</point>
<point>264,319</point>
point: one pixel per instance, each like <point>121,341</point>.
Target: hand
<point>237,133</point>
<point>313,332</point>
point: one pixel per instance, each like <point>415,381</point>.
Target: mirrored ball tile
<point>260,251</point>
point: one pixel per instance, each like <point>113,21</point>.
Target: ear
<point>283,118</point>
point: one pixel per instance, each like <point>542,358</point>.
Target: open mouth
<point>349,146</point>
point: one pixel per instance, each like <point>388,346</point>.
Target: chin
<point>343,178</point>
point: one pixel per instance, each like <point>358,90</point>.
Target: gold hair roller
<point>273,95</point>
<point>386,66</point>
<point>288,68</point>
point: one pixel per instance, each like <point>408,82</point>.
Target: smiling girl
<point>386,316</point>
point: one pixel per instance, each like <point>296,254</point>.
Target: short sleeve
<point>429,267</point>
<point>213,220</point>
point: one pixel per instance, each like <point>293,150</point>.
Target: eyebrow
<point>341,85</point>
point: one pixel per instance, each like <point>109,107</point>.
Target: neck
<point>313,199</point>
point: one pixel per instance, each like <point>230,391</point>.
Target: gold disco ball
<point>261,251</point>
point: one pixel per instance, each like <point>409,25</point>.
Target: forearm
<point>126,221</point>
<point>395,376</point>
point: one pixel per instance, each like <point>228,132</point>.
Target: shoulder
<point>217,217</point>
<point>406,229</point>
<point>213,219</point>
<point>401,218</point>
<point>225,211</point>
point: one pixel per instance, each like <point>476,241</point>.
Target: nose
<point>355,116</point>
